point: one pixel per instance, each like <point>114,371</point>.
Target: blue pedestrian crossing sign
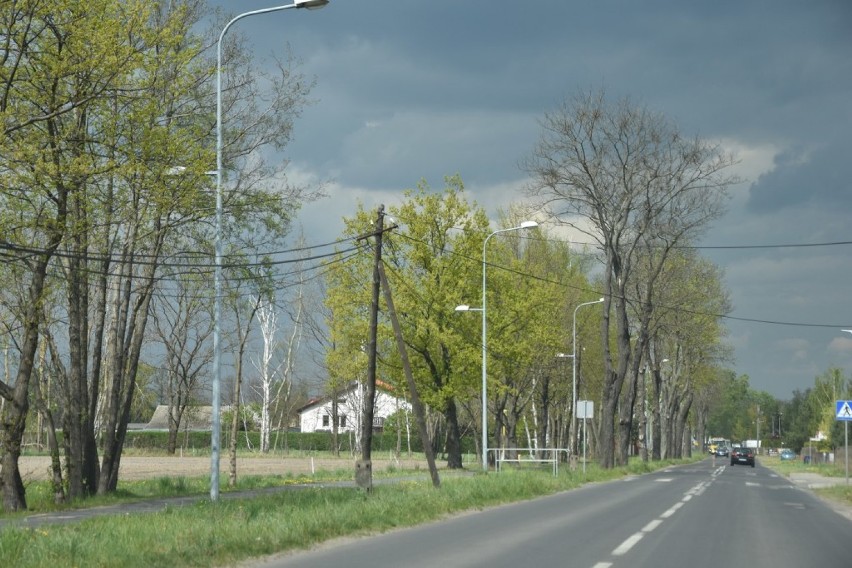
<point>844,410</point>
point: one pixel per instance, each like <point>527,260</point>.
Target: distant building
<point>195,418</point>
<point>317,414</point>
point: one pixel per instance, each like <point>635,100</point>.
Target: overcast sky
<point>414,89</point>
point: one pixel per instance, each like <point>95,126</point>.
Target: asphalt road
<point>706,514</point>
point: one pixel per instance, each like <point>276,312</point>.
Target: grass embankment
<point>226,532</point>
<point>40,494</point>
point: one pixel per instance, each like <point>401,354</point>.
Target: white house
<point>316,416</point>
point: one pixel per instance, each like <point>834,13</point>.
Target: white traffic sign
<point>844,410</point>
<point>585,409</point>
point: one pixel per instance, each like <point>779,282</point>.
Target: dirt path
<point>36,468</point>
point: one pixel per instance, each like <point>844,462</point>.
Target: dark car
<point>722,450</point>
<point>743,456</point>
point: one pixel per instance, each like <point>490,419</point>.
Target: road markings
<point>631,541</point>
<point>664,480</point>
<point>672,511</point>
<point>625,546</point>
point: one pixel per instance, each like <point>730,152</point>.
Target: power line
<point>673,308</point>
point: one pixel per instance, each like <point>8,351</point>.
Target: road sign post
<point>584,409</point>
<point>843,411</point>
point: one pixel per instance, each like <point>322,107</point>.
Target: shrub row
<point>297,441</point>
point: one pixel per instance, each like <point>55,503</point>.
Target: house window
<point>341,421</point>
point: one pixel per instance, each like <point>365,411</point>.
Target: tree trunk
<point>235,430</point>
<point>625,421</point>
<point>14,416</point>
<point>656,428</point>
<point>81,452</point>
<point>174,416</point>
<point>11,436</point>
<point>606,436</point>
<point>682,426</point>
<point>642,396</point>
<point>126,348</point>
<point>613,376</point>
<point>453,448</point>
<point>55,463</point>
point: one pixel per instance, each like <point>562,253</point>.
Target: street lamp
<point>215,436</point>
<point>574,373</point>
<point>465,308</point>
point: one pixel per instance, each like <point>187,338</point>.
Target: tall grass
<point>40,493</point>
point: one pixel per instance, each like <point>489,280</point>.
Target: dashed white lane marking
<point>664,480</point>
<point>625,546</point>
<point>631,541</point>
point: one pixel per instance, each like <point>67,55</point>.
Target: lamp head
<point>528,225</point>
<point>310,4</point>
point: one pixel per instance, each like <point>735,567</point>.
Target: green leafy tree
<point>829,387</point>
<point>61,63</point>
<point>101,101</point>
<point>430,263</point>
<point>534,283</point>
<point>685,347</point>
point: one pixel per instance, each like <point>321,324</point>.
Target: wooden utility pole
<point>364,466</point>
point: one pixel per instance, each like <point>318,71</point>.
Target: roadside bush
<point>296,441</point>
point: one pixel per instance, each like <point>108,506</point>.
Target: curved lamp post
<point>217,277</point>
<point>465,308</point>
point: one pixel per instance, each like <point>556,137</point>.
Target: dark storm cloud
<point>410,89</point>
<point>818,176</point>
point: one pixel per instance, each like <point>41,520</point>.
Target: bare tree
<point>183,323</point>
<point>274,372</point>
<point>628,179</point>
<point>268,323</point>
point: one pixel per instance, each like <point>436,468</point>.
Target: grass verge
<point>838,493</point>
<point>230,531</point>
